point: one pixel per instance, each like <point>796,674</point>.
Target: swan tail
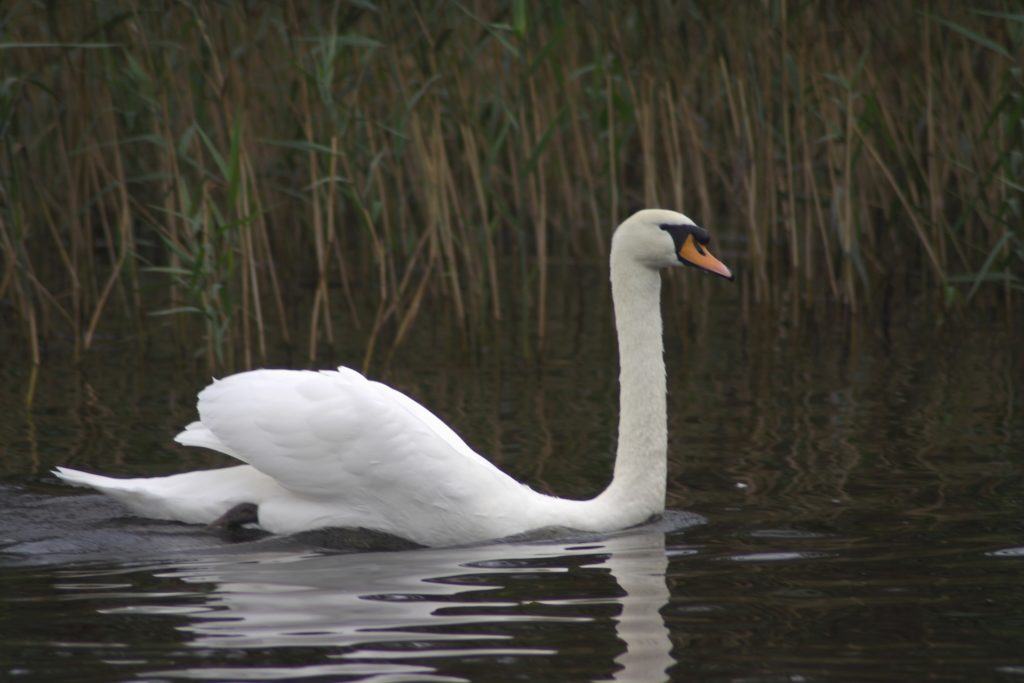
<point>128,492</point>
<point>193,497</point>
<point>86,480</point>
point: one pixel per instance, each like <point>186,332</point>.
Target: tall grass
<point>255,170</point>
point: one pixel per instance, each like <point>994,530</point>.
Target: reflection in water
<point>638,562</point>
<point>377,610</point>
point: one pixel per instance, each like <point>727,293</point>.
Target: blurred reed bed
<point>252,171</point>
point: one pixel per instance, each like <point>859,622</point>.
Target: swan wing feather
<point>197,434</point>
<point>335,434</point>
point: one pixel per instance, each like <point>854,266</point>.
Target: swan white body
<point>333,449</point>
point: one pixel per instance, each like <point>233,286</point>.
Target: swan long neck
<point>639,480</point>
<point>637,490</point>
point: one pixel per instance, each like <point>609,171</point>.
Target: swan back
<point>356,453</point>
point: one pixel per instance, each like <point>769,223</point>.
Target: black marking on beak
<point>689,243</point>
<point>680,232</point>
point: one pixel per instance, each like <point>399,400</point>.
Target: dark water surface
<point>856,490</point>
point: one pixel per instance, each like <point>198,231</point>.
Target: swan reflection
<point>377,611</point>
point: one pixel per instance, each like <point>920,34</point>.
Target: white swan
<point>333,449</point>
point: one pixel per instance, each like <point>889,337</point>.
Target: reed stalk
<point>266,171</point>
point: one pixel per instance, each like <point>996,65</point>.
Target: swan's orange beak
<point>697,255</point>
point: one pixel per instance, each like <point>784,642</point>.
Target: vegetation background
<point>245,172</point>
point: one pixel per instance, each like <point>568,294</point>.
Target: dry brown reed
<point>257,170</point>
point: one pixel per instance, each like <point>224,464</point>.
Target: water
<point>852,495</point>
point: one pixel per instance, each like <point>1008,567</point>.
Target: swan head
<point>658,239</point>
